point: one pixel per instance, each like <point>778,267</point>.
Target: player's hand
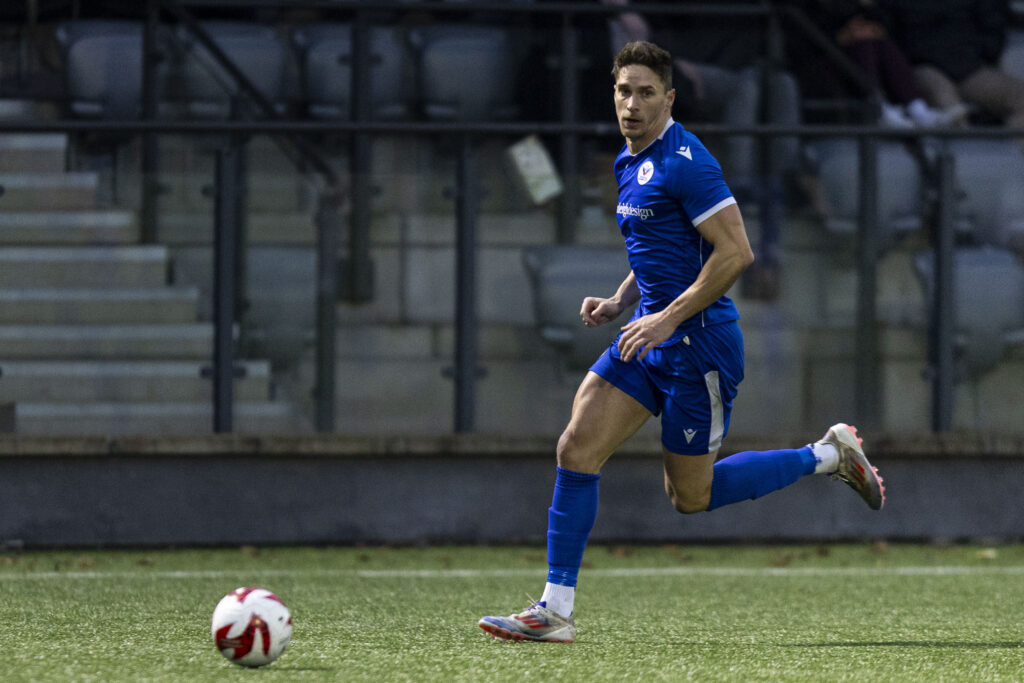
<point>597,311</point>
<point>643,334</point>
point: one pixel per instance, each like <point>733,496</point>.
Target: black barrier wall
<point>344,491</point>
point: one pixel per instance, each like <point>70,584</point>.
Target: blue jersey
<point>665,190</point>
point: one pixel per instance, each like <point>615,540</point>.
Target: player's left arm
<point>731,256</point>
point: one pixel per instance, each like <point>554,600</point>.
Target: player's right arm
<point>597,311</point>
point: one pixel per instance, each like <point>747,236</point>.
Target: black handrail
<point>304,126</point>
<point>748,9</point>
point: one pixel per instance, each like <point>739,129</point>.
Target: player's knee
<point>689,506</point>
<point>688,503</point>
<point>573,454</point>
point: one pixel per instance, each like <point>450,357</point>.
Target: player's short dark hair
<point>647,54</point>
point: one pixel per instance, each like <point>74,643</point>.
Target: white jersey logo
<point>685,151</point>
<point>645,173</point>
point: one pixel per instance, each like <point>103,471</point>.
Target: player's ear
<point>670,98</point>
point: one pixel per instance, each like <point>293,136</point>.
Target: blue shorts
<point>691,384</point>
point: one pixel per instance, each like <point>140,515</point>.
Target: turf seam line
<point>625,572</point>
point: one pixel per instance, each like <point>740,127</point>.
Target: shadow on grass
<point>918,643</point>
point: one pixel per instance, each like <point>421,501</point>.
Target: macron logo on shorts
<point>689,434</point>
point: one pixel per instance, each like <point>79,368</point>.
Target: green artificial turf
<point>679,613</point>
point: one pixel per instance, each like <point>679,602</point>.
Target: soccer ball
<point>251,626</point>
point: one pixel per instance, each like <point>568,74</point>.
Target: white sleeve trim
<point>713,210</point>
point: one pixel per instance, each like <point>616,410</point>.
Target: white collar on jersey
<point>671,122</point>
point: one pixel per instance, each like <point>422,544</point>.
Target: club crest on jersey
<point>645,173</point>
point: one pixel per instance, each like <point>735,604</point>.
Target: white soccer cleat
<point>854,468</point>
<point>536,622</point>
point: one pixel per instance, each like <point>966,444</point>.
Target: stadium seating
<point>207,88</point>
<point>561,277</point>
<point>988,304</point>
<point>327,71</point>
<point>466,72</point>
<point>899,187</point>
<point>1013,55</point>
<point>990,184</point>
<point>411,75</point>
<point>103,67</point>
<point>93,337</point>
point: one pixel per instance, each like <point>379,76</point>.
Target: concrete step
<point>268,191</point>
<point>400,396</point>
<point>121,419</point>
<point>196,227</point>
<point>106,342</point>
<point>493,229</point>
<point>33,153</point>
<point>123,381</point>
<point>108,306</point>
<point>80,267</point>
<point>48,191</point>
<point>23,228</point>
<point>416,396</point>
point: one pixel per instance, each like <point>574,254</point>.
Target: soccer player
<point>680,356</point>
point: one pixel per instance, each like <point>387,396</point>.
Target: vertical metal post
<point>225,259</point>
<point>943,325</point>
<point>866,355</point>
<point>241,170</point>
<point>151,56</point>
<point>27,58</point>
<point>359,272</point>
<point>465,288</point>
<point>327,226</point>
<point>569,206</point>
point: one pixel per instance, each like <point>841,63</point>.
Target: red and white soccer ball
<point>251,626</point>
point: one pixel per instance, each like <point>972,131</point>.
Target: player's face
<point>642,105</point>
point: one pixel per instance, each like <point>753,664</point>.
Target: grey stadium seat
<point>103,67</point>
<point>900,205</point>
<point>988,303</point>
<point>1013,54</point>
<point>562,276</point>
<point>467,72</point>
<point>327,71</point>
<point>990,184</point>
<point>255,49</point>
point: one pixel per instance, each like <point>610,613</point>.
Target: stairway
<point>94,339</point>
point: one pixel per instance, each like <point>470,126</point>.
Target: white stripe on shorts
<point>717,422</point>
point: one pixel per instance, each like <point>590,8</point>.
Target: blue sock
<point>570,519</point>
<point>752,474</point>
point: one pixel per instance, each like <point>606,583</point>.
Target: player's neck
<point>635,146</point>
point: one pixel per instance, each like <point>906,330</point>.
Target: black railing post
<point>327,227</point>
<point>569,205</point>
<point>241,170</point>
<point>942,328</point>
<point>866,355</point>
<point>225,257</point>
<point>151,57</point>
<point>465,288</point>
<point>359,273</point>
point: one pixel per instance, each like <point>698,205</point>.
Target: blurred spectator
<point>860,27</point>
<point>721,76</point>
<point>955,47</point>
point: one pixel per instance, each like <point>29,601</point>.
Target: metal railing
<point>361,129</point>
